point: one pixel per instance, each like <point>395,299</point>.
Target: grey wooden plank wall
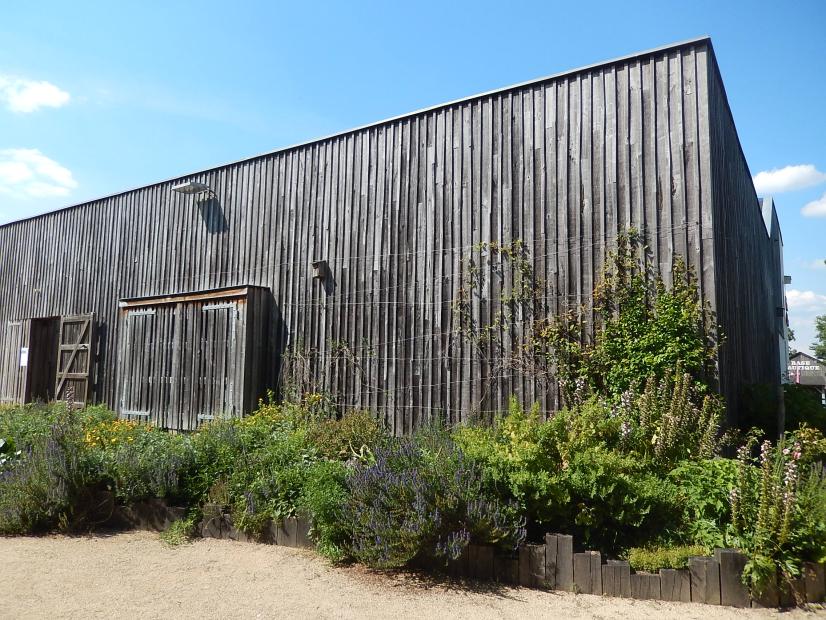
<point>747,265</point>
<point>564,164</point>
<point>12,375</point>
<point>183,361</point>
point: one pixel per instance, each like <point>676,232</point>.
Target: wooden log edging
<point>616,579</point>
<point>733,592</point>
<point>814,582</point>
<point>714,580</point>
<point>705,580</point>
<point>152,514</point>
<point>288,532</point>
<point>675,585</point>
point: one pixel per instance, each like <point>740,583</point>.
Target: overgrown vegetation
<point>639,327</point>
<point>593,470</point>
<point>802,404</point>
<point>632,466</point>
<point>778,506</point>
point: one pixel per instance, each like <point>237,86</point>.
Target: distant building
<point>778,286</point>
<point>179,301</point>
<point>809,371</point>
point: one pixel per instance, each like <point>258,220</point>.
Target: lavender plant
<point>41,490</point>
<point>423,498</point>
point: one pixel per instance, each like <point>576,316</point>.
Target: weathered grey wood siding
<point>186,359</point>
<point>747,261</point>
<point>564,164</point>
<point>12,374</point>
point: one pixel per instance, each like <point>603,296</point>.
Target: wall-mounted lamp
<point>191,188</point>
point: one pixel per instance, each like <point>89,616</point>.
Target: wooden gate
<point>14,362</point>
<point>216,359</point>
<point>75,358</point>
<point>145,364</point>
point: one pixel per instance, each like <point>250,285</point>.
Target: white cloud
<point>816,265</point>
<point>806,301</point>
<point>787,179</point>
<point>24,96</point>
<point>29,173</point>
<point>816,208</point>
<point>804,306</point>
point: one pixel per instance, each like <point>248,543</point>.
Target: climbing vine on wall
<point>637,327</point>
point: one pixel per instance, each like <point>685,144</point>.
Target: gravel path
<point>135,575</point>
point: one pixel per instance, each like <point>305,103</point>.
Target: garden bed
<point>711,580</point>
<point>634,489</point>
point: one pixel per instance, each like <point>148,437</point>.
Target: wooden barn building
<point>182,300</point>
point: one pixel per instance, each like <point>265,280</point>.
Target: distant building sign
<point>806,370</point>
<point>24,357</point>
<point>804,365</point>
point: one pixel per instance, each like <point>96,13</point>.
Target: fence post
<point>814,578</point>
<point>550,561</point>
<point>675,584</point>
<point>705,580</point>
<point>564,562</point>
<point>733,591</point>
<point>616,578</point>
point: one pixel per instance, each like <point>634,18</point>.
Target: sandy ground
<point>136,575</point>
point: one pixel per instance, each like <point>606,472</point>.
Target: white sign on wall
<point>24,356</point>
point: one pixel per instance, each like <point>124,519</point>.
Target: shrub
<point>353,435</point>
<point>521,458</point>
<point>778,513</point>
<point>24,425</point>
<point>91,414</point>
<point>423,498</point>
<point>570,474</point>
<point>652,559</point>
<point>216,447</point>
<point>324,497</point>
<point>804,408</point>
<point>222,446</point>
<point>109,433</point>
<point>142,462</point>
<point>49,485</point>
<point>613,502</point>
<point>644,328</point>
<point>8,455</point>
<point>705,494</point>
<point>665,424</point>
<point>648,327</point>
<point>267,483</point>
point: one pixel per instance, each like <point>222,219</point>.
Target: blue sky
<point>97,97</point>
